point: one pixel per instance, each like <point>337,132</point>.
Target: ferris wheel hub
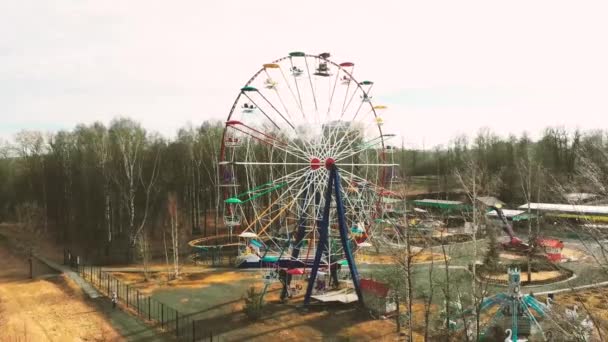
<point>329,162</point>
<point>315,163</point>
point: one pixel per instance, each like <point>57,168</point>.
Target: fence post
<point>149,310</point>
<point>176,323</point>
<point>108,278</point>
<point>193,331</point>
<point>138,311</point>
<point>162,315</point>
<point>127,296</point>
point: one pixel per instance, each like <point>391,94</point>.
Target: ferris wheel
<point>301,132</point>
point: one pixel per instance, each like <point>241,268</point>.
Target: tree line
<point>105,188</point>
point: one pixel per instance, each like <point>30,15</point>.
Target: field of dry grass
<point>51,309</point>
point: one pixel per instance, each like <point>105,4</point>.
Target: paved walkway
<point>569,289</point>
<point>130,327</point>
<point>83,284</point>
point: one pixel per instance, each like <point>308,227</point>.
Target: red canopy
<point>347,64</point>
<point>377,288</point>
<point>551,243</point>
<point>295,271</point>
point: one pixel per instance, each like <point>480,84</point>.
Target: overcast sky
<point>443,68</point>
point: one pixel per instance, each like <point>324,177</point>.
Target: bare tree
<point>101,145</point>
<point>529,173</point>
<point>129,138</point>
<point>470,178</point>
<point>173,218</point>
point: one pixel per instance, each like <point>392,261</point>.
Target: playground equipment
<point>303,165</point>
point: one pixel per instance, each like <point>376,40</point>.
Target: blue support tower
<point>333,184</point>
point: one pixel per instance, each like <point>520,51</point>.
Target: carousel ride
<point>523,316</point>
<point>304,167</point>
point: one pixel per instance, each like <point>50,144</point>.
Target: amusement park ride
<point>305,175</point>
<point>302,169</point>
<point>550,247</point>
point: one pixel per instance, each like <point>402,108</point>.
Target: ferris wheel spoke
<point>357,112</point>
<point>276,110</point>
<point>274,86</point>
<point>331,97</point>
<point>376,188</point>
<point>287,206</point>
<point>346,94</point>
<point>364,164</point>
<point>312,88</point>
<point>276,91</point>
<point>293,95</point>
<point>271,141</point>
<point>260,109</point>
<point>349,143</point>
<point>291,183</point>
<point>295,80</point>
<point>366,146</point>
<point>346,105</point>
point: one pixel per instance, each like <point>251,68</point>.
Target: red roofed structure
<point>377,288</point>
<point>377,296</point>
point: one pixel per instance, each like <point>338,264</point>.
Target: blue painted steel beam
<point>323,229</point>
<point>344,233</point>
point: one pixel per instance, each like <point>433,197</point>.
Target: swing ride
<point>303,168</point>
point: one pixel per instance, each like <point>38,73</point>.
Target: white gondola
<point>232,220</point>
<point>232,142</point>
<point>366,98</point>
<point>345,80</point>
<point>379,121</point>
<point>296,72</point>
<point>389,149</point>
<point>270,83</point>
<point>248,108</point>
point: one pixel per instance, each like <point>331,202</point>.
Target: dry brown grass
<point>536,276</point>
<point>46,310</point>
<point>389,259</point>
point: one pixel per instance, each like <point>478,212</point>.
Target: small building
<point>377,296</point>
<point>439,204</point>
<point>593,213</point>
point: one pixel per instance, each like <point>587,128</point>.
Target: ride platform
<point>343,296</point>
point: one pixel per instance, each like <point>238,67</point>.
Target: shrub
<point>254,303</point>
